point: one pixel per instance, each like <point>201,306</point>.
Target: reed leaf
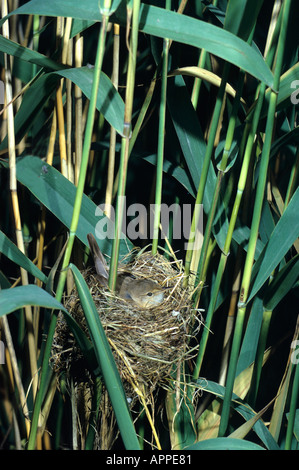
<point>203,110</point>
<point>57,193</point>
<point>107,364</point>
<point>12,252</point>
<point>284,235</point>
<point>18,297</point>
<point>177,27</point>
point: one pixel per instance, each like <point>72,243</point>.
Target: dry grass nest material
<point>145,342</point>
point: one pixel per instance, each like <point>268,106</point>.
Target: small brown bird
<point>145,293</point>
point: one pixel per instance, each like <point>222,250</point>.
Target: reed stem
<point>161,137</point>
<point>191,253</point>
<point>73,228</point>
<point>124,157</point>
<point>15,203</point>
<point>255,224</point>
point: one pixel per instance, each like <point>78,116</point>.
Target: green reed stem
<point>224,254</point>
<point>73,229</point>
<point>248,137</point>
<point>112,144</point>
<point>221,171</point>
<point>267,314</point>
<point>35,39</point>
<point>255,224</point>
<point>198,81</point>
<point>125,144</point>
<point>160,151</point>
<point>206,164</point>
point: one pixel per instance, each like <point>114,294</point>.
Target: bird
<point>144,293</point>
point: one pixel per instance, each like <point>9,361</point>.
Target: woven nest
<point>146,343</point>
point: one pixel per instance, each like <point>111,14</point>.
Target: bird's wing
<point>98,258</point>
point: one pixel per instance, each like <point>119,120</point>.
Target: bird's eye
<point>149,294</point>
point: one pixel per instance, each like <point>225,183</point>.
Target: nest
<point>146,343</point>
